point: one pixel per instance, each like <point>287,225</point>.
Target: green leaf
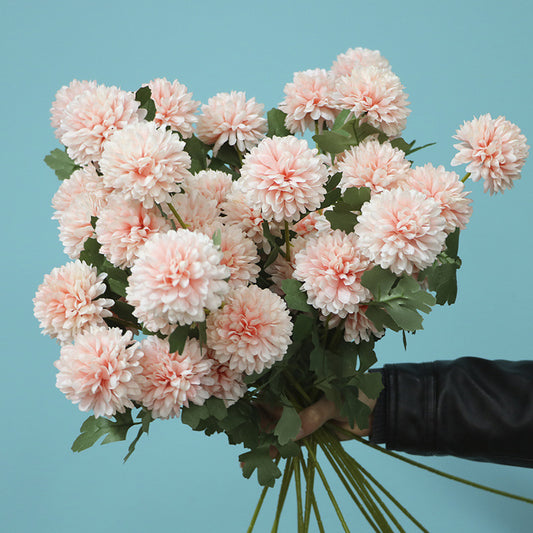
<point>194,414</point>
<point>276,123</point>
<point>341,217</point>
<point>144,97</point>
<point>259,459</point>
<point>198,152</point>
<point>355,197</point>
<point>420,147</point>
<point>366,354</point>
<point>333,181</point>
<point>59,161</point>
<point>268,235</point>
<point>91,253</point>
<point>228,154</point>
<point>118,287</point>
<point>93,428</point>
<point>442,279</point>
<point>378,281</point>
<point>341,119</point>
<point>371,384</point>
<point>177,339</point>
<point>216,408</point>
<point>217,237</point>
<point>402,145</point>
<point>333,142</point>
<point>288,425</point>
<point>355,410</point>
<point>146,419</point>
<point>294,297</point>
<point>452,244</point>
<point>331,198</point>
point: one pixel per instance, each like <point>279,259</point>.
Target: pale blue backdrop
<point>456,59</point>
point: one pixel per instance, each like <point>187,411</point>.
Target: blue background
<point>456,59</point>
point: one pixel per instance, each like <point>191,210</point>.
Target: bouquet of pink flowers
<point>258,271</point>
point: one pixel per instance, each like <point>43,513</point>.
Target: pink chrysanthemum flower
<point>355,58</point>
<point>174,106</point>
<point>230,118</point>
<point>251,332</point>
<point>313,223</point>
<point>494,150</point>
<point>64,96</point>
<point>376,95</point>
<point>239,254</point>
<point>101,371</point>
<point>172,380</point>
<point>330,267</point>
<point>228,384</point>
<point>145,163</point>
<point>372,164</point>
<point>195,210</point>
<point>401,230</point>
<point>357,327</point>
<point>123,227</point>
<point>212,184</point>
<point>176,276</point>
<point>308,99</point>
<point>284,178</point>
<point>75,221</point>
<point>237,211</point>
<point>68,301</point>
<point>94,116</point>
<point>84,181</point>
<point>446,189</point>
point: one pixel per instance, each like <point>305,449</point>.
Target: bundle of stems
<point>374,501</point>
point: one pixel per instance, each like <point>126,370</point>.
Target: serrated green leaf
<point>355,410</point>
<point>366,354</point>
<point>331,198</point>
<point>378,281</point>
<point>402,145</point>
<point>198,152</point>
<point>291,449</point>
<point>59,161</point>
<point>341,217</point>
<point>118,430</point>
<point>118,287</point>
<point>259,459</point>
<point>294,297</point>
<point>177,339</point>
<point>93,428</point>
<point>333,181</point>
<point>146,419</point>
<point>381,319</point>
<point>144,97</point>
<point>288,425</point>
<point>355,197</point>
<point>332,142</point>
<point>452,244</point>
<point>194,414</point>
<point>276,123</point>
<point>216,408</point>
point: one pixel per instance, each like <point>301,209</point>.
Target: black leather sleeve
<point>469,407</point>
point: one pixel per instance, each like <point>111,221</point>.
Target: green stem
<point>328,489</point>
<point>287,243</point>
<point>298,483</point>
<point>467,175</point>
<point>439,472</point>
<point>341,476</point>
<point>176,214</point>
<point>257,509</point>
<point>285,482</point>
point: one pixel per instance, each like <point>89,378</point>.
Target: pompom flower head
<point>68,301</point>
<point>145,163</point>
<point>101,371</point>
<point>174,106</point>
<point>211,184</point>
<point>251,332</point>
<point>64,96</point>
<point>357,57</point>
<point>493,150</point>
<point>172,380</point>
<point>308,99</point>
<point>175,277</point>
<point>374,165</point>
<point>123,227</point>
<point>230,118</point>
<point>93,117</point>
<point>376,95</point>
<point>330,267</point>
<point>284,178</point>
<point>446,189</point>
<point>401,230</point>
